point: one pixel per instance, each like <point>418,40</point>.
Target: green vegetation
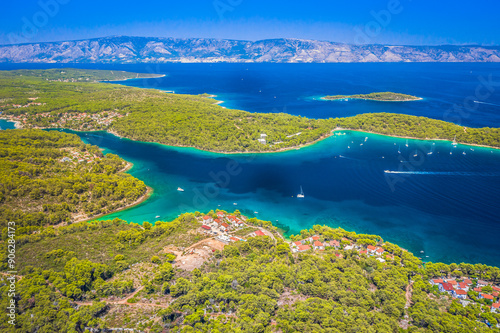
<point>49,177</point>
<point>195,121</point>
<point>379,96</point>
<point>77,75</point>
<point>421,128</point>
<point>252,286</point>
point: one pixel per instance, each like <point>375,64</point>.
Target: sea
<point>436,199</point>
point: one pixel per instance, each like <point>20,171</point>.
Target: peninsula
<point>377,96</point>
<point>43,99</point>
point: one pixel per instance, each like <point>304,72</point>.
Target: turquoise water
<point>443,204</point>
<point>4,124</point>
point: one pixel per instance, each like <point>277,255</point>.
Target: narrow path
<point>408,295</point>
<point>124,301</point>
<point>19,277</point>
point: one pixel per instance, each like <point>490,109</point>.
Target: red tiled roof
<point>234,239</point>
<point>437,281</point>
<point>496,288</point>
<point>206,227</point>
<point>487,296</point>
<point>315,238</point>
<point>217,221</point>
<point>297,243</point>
<point>259,233</point>
<point>334,243</point>
<point>495,305</point>
<point>467,281</point>
<point>224,224</point>
<point>477,289</point>
<point>206,217</point>
<point>460,292</point>
<point>462,285</point>
<point>452,282</point>
<point>316,243</point>
<point>495,293</point>
<point>371,247</point>
<point>304,247</point>
<point>447,286</point>
<point>220,213</point>
<point>380,250</point>
<point>362,252</point>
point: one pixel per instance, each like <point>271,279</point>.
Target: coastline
<point>135,78</point>
<point>18,125</point>
<point>414,138</point>
<point>371,99</point>
<point>144,197</point>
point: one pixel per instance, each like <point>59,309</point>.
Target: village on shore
<point>223,226</point>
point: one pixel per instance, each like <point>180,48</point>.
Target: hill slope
<point>123,49</point>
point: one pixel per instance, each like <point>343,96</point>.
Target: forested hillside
<point>421,128</point>
<point>195,121</point>
<point>49,177</point>
<point>127,277</point>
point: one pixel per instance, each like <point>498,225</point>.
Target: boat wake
<point>445,173</point>
<point>486,103</point>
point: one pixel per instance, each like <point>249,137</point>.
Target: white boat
<point>301,194</point>
<point>399,149</point>
<point>157,216</point>
<point>454,143</point>
<point>348,147</point>
<point>464,153</point>
<point>256,212</point>
<point>234,203</point>
<point>406,143</point>
<point>180,189</point>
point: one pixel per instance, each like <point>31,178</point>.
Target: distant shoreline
<point>135,78</point>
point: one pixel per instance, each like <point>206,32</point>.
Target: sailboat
<point>399,149</point>
<point>406,143</point>
<point>454,143</point>
<point>301,194</point>
<point>180,189</point>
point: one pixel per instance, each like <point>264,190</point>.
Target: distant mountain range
<point>122,49</point>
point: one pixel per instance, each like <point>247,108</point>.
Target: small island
<point>378,96</point>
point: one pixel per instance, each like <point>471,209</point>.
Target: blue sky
<point>359,21</point>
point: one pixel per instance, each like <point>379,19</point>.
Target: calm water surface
<point>435,198</point>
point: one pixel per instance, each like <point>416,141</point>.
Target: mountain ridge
<point>129,49</point>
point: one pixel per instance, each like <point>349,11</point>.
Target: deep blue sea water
<point>446,205</point>
<point>448,89</point>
